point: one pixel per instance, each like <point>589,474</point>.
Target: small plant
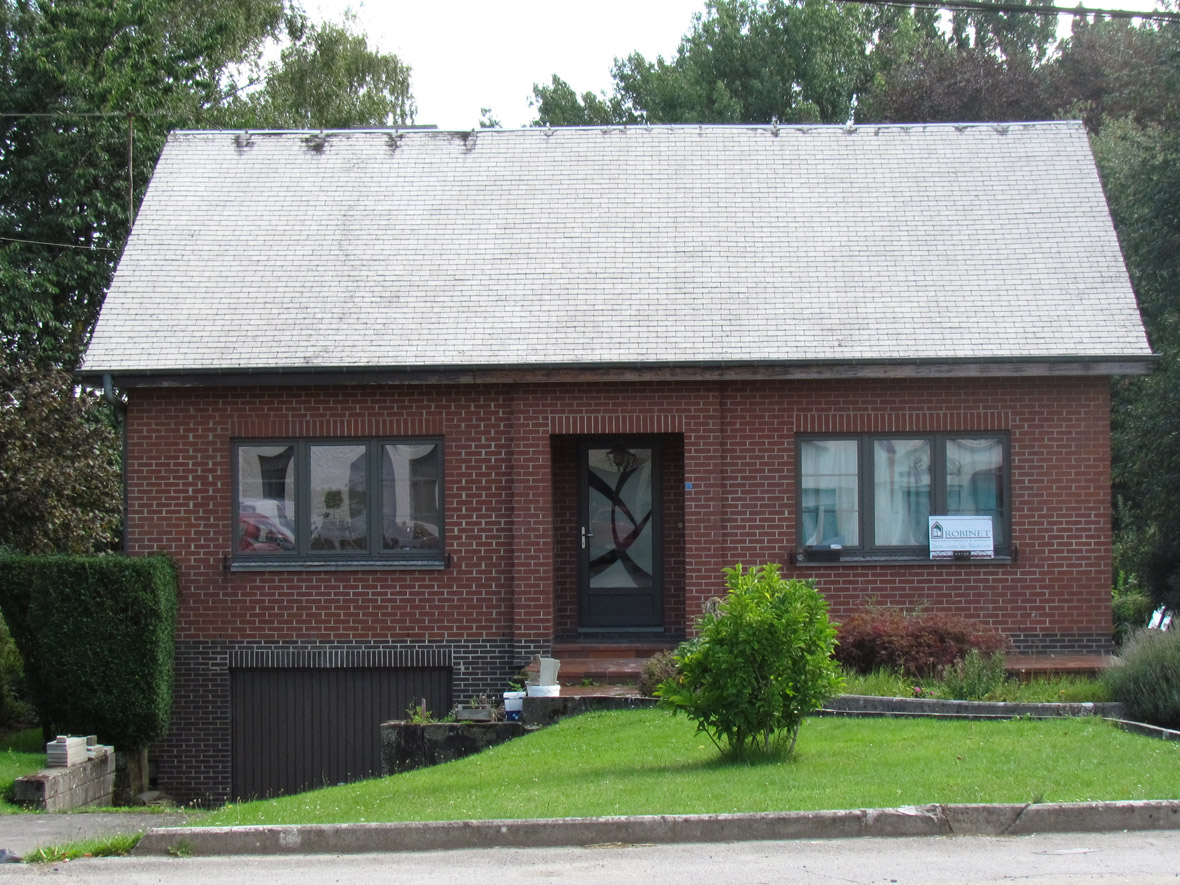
<point>659,668</point>
<point>419,713</point>
<point>918,645</point>
<point>1146,677</point>
<point>761,663</point>
<point>975,677</point>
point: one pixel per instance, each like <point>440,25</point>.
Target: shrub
<point>975,677</point>
<point>919,645</point>
<point>1131,607</point>
<point>761,663</point>
<point>1146,677</point>
<point>657,669</point>
<point>96,635</point>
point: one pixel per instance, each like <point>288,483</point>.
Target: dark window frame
<point>303,555</point>
<point>867,546</point>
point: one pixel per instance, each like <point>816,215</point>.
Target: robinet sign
<point>961,537</point>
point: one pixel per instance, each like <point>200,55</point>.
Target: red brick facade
<point>728,492</point>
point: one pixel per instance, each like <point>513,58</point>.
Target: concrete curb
<point>926,820</point>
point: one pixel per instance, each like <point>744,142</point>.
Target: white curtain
<point>830,492</point>
<point>901,492</point>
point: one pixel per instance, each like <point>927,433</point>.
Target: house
<point>409,407</point>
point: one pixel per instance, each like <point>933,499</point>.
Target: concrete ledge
<point>1155,731</point>
<point>926,820</point>
<point>88,783</point>
<point>868,705</point>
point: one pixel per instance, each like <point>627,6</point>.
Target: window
<point>338,500</point>
<point>874,494</point>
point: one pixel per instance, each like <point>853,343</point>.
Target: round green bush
<point>761,663</point>
<point>1146,677</point>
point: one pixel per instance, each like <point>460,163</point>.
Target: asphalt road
<point>1146,858</point>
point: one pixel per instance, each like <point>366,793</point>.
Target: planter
<point>475,714</point>
<point>409,745</point>
<point>543,691</point>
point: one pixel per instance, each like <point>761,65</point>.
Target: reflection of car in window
<point>259,533</point>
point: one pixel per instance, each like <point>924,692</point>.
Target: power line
<point>984,6</point>
<point>61,245</point>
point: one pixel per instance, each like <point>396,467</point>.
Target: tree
<point>81,77</point>
<point>59,465</point>
<point>327,77</point>
<point>90,90</point>
<point>558,105</point>
<point>742,61</point>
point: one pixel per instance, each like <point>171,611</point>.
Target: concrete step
<point>605,662</point>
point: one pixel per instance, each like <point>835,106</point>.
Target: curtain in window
<point>830,513</point>
<point>410,505</point>
<point>975,481</point>
<point>266,499</point>
<point>901,492</point>
<point>339,497</point>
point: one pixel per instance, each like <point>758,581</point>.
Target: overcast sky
<point>471,54</point>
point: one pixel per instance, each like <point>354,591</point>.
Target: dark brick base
<point>1062,643</point>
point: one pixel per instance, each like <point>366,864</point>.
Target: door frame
<point>597,441</point>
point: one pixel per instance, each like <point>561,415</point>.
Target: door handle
<point>585,535</point>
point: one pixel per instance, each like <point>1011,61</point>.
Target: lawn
<point>21,752</point>
<point>646,762</point>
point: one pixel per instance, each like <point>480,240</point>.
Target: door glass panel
<point>619,524</point>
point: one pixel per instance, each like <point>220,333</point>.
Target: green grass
<point>21,752</point>
<point>647,762</point>
<point>110,846</point>
<point>1040,690</point>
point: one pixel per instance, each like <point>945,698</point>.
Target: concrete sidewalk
<point>927,820</point>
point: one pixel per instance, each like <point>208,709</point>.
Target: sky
<point>471,54</point>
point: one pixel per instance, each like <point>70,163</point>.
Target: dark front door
<point>620,557</point>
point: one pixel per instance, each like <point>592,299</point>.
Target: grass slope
<point>21,753</point>
<point>646,762</point>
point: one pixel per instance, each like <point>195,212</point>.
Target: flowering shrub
<point>918,645</point>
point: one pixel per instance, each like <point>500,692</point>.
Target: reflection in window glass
<point>411,504</point>
<point>830,512</point>
<point>975,481</point>
<point>266,499</point>
<point>339,497</point>
<point>901,492</point>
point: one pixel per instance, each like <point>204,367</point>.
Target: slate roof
<point>619,247</point>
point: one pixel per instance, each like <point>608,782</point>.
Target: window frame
<point>868,548</point>
<point>303,556</point>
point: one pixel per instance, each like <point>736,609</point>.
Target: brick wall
<point>729,496</point>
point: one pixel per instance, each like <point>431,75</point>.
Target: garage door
<point>295,729</point>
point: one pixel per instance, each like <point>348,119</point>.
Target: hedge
<point>97,637</point>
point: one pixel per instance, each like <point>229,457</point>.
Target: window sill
<point>801,559</point>
<point>335,565</point>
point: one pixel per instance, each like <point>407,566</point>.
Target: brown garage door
<point>295,729</point>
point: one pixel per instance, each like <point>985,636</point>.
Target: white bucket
<point>513,705</point>
<point>544,691</point>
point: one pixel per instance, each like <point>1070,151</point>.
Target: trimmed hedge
<point>918,645</point>
<point>97,637</point>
